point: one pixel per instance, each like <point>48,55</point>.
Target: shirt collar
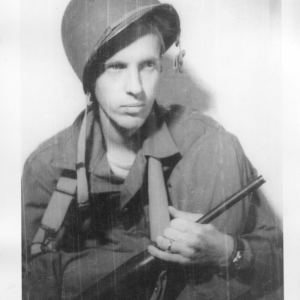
<point>159,142</point>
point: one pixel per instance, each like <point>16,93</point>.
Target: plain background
<point>233,68</point>
<point>232,71</point>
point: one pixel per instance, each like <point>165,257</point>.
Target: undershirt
<point>118,167</point>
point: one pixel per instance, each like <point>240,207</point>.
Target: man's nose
<point>134,84</point>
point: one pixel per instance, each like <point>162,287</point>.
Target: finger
<point>201,230</point>
<point>170,257</point>
<point>163,243</point>
<point>175,247</point>
<point>183,249</point>
<point>174,234</point>
<point>181,225</point>
<point>185,226</point>
<point>181,237</point>
<point>175,213</point>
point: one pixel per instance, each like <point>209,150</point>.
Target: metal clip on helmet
<point>89,24</point>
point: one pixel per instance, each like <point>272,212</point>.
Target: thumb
<point>175,213</point>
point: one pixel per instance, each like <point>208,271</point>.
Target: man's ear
<point>161,58</point>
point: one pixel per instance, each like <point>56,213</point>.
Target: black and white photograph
<point>151,151</point>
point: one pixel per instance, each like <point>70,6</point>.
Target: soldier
<point>89,193</point>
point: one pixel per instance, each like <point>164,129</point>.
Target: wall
<point>232,71</point>
<point>234,54</point>
<point>238,82</point>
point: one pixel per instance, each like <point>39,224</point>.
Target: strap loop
<point>79,165</point>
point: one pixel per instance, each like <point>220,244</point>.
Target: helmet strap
<point>82,184</point>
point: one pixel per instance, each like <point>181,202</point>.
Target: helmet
<point>89,24</point>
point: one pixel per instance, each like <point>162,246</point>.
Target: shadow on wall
<point>180,88</point>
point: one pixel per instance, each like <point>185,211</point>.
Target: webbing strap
<point>50,231</point>
<point>158,200</point>
<point>46,236</point>
<point>82,189</point>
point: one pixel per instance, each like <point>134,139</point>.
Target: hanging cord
<point>82,184</point>
<point>178,61</point>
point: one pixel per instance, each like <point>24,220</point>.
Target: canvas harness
<point>51,230</point>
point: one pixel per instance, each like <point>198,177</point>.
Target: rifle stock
<point>144,266</point>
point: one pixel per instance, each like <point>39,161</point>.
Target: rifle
<point>148,267</point>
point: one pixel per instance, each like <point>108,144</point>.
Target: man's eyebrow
<point>150,58</point>
<point>115,62</point>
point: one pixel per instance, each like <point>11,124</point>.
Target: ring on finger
<point>169,247</point>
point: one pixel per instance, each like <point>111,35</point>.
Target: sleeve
<point>262,236</point>
<point>41,275</point>
<point>214,168</point>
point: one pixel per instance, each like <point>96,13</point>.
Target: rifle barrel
<point>236,197</point>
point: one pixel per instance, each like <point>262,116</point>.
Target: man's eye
<point>115,67</point>
<point>150,64</point>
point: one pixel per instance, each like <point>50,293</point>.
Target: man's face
<point>126,89</point>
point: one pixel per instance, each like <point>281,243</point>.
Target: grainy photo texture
<point>147,192</point>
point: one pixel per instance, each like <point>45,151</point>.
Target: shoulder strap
<point>47,236</point>
<point>82,188</point>
<point>50,231</point>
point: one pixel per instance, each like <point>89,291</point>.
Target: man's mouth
<point>133,108</point>
<point>134,105</point>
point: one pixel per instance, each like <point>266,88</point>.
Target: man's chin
<point>130,127</point>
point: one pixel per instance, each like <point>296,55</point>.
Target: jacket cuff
<point>240,261</point>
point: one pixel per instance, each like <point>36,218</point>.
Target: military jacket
<point>203,165</point>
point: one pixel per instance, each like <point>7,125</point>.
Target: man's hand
<point>192,243</point>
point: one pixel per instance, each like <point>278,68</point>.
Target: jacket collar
<point>159,142</point>
<point>67,156</point>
